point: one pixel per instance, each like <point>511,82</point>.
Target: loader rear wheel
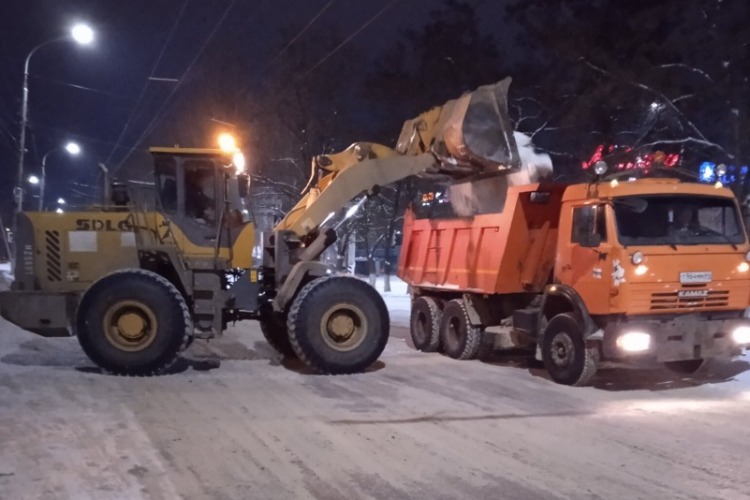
<point>133,322</point>
<point>273,326</point>
<point>566,357</point>
<point>424,323</point>
<point>338,324</point>
<point>458,337</point>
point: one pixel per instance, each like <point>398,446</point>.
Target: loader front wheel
<point>275,331</point>
<point>338,324</point>
<point>133,322</point>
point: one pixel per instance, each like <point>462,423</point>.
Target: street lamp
<point>73,149</point>
<point>61,201</point>
<point>81,34</point>
<point>33,179</point>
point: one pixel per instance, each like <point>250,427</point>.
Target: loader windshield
<point>677,220</point>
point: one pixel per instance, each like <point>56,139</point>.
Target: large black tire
<point>273,326</point>
<point>458,337</point>
<point>566,357</point>
<point>338,324</point>
<point>424,323</point>
<point>133,322</point>
<point>685,367</point>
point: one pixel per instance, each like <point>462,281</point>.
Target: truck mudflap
<point>683,338</point>
<point>49,314</point>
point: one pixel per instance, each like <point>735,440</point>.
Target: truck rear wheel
<point>338,324</point>
<point>424,323</point>
<point>273,326</point>
<point>133,322</point>
<point>566,357</point>
<point>458,337</point>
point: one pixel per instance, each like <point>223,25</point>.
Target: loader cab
<point>200,191</point>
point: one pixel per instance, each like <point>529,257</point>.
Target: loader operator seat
<point>200,193</point>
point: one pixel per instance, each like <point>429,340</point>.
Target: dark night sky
<point>130,36</point>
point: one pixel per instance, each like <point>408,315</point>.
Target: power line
<point>273,100</point>
<point>304,29</point>
<point>349,38</point>
<point>87,138</point>
<point>133,113</point>
<point>81,87</point>
<point>162,111</point>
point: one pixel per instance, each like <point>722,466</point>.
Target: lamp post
<point>80,34</point>
<point>73,149</point>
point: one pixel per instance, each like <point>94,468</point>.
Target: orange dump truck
<point>589,273</point>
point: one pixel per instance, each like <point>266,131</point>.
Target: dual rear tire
<point>435,325</point>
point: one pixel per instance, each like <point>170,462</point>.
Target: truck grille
<point>54,269</point>
<point>689,298</point>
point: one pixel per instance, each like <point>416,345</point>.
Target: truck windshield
<point>677,220</point>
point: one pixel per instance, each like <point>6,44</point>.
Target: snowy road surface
<point>234,421</point>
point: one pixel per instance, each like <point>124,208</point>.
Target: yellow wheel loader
<point>160,264</point>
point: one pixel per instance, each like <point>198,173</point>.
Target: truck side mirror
<point>591,240</point>
<point>243,184</point>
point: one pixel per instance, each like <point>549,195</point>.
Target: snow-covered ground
<point>234,420</point>
<point>397,300</point>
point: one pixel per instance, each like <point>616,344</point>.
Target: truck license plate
<point>696,277</point>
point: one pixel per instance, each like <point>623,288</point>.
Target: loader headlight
<point>600,167</point>
<point>634,341</point>
<point>741,335</point>
<point>238,160</point>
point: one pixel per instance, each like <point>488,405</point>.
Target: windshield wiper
<point>722,235</point>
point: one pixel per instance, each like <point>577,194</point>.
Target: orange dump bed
<point>512,251</point>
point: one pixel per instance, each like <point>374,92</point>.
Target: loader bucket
<point>471,135</point>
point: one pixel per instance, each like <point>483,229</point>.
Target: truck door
<point>584,261</point>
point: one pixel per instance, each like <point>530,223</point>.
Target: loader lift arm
<point>467,137</point>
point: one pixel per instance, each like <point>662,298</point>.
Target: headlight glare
<point>741,335</point>
<point>634,341</point>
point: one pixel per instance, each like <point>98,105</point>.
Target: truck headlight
<point>634,341</point>
<point>741,335</point>
<point>637,258</point>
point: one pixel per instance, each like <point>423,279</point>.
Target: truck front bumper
<point>681,338</point>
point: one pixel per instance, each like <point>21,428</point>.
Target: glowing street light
<point>34,180</point>
<point>82,35</point>
<point>73,149</point>
<point>61,201</point>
